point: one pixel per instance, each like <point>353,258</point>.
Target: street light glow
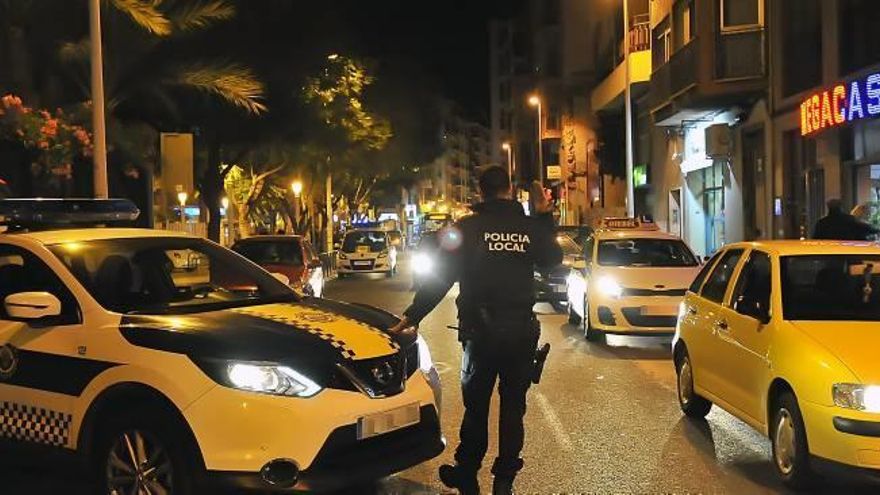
<point>534,100</point>
<point>333,56</point>
<point>182,197</point>
<point>225,203</point>
<point>297,188</point>
<point>505,146</point>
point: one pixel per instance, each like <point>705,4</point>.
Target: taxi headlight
<point>422,263</point>
<point>271,379</point>
<point>858,397</point>
<point>342,255</point>
<point>383,254</point>
<point>425,361</point>
<point>609,287</point>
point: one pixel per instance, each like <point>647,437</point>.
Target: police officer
<point>492,254</point>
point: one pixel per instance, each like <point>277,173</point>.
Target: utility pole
<point>630,192</point>
<point>329,205</point>
<point>98,120</point>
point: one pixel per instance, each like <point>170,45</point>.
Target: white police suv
<point>169,378</point>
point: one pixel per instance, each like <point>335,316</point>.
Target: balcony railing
<point>740,55</point>
<point>639,40</point>
<point>676,75</point>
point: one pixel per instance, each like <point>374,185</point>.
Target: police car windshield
<point>831,287</point>
<point>645,253</point>
<point>168,275</point>
<point>372,241</point>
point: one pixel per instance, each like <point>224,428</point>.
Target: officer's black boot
<point>502,486</point>
<point>456,477</point>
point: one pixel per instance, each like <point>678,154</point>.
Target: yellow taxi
<point>785,336</point>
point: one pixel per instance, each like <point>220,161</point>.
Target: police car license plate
<point>362,263</point>
<point>560,289</point>
<point>388,421</point>
<point>659,310</point>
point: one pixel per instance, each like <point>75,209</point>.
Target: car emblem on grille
<point>383,373</point>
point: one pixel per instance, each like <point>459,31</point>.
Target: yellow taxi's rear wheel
<point>691,404</point>
<point>788,436</point>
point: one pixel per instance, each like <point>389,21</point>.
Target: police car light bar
<point>30,213</point>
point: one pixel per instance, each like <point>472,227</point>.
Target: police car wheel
<point>141,455</point>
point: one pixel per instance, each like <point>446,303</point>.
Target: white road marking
<point>562,436</point>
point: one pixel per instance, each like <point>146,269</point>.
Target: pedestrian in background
<point>492,254</point>
<point>841,226</point>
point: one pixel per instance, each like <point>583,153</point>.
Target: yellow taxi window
<point>716,286</point>
<point>831,287</point>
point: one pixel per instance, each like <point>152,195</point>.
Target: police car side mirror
<point>32,306</point>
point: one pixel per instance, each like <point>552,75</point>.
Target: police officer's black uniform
<point>493,255</point>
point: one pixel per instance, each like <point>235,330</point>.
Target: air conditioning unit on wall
<point>719,141</point>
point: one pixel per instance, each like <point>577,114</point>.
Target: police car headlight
<point>273,380</point>
<point>426,363</point>
<point>422,263</point>
<point>609,287</point>
<point>858,397</point>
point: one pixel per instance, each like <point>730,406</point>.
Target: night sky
<point>441,43</point>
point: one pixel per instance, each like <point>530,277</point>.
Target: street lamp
<point>535,101</point>
<point>225,204</point>
<point>509,149</point>
<point>297,188</point>
<point>182,197</point>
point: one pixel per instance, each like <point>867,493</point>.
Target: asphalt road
<point>603,420</point>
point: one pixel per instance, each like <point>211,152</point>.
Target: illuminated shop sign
<point>844,103</point>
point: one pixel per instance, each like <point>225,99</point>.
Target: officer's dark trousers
<point>510,363</point>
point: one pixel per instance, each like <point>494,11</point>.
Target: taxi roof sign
<point>20,214</point>
<point>624,223</point>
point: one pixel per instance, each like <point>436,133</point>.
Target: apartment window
<point>859,43</point>
<point>801,45</point>
<point>662,48</point>
<point>738,15</point>
<point>554,118</point>
<point>684,23</point>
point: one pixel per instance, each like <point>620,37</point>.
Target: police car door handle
<point>722,325</point>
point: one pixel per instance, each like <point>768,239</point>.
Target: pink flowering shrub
<point>54,140</point>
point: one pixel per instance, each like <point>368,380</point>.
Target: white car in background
<point>634,281</point>
<point>367,251</point>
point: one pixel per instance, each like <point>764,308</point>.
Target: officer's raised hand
<point>540,199</point>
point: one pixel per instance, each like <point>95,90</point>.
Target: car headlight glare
<point>271,379</point>
<point>426,363</point>
<point>422,263</point>
<point>342,255</point>
<point>857,397</point>
<point>609,287</point>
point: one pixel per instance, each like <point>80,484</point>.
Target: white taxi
<point>634,280</point>
<point>169,377</point>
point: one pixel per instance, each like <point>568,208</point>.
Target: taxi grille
<point>654,292</point>
<point>380,377</point>
<point>635,318</point>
